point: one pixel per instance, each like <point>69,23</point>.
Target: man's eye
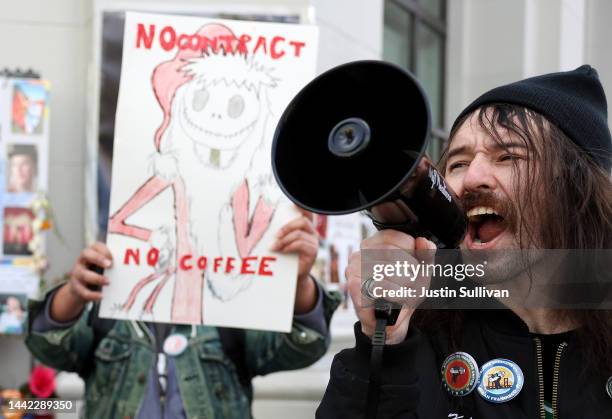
<point>457,165</point>
<point>509,157</point>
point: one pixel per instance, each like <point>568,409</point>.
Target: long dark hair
<point>568,190</point>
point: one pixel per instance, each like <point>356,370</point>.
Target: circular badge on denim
<point>609,387</point>
<point>501,380</point>
<point>459,374</point>
<point>175,344</point>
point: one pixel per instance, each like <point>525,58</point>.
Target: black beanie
<point>572,100</point>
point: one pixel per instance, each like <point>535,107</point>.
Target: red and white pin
<point>175,344</point>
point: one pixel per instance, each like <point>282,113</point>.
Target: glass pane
<point>435,148</point>
<point>434,7</point>
<point>396,36</point>
<point>429,69</point>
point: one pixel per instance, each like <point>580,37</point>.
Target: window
<point>415,38</point>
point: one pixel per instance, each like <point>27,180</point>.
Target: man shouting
<point>531,163</point>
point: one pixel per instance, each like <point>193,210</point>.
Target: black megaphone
<point>354,139</point>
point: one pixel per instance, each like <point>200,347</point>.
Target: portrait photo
<point>17,231</point>
<point>12,313</point>
<point>22,171</point>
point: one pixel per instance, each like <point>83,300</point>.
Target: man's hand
<point>84,284</point>
<point>299,236</point>
<point>388,240</point>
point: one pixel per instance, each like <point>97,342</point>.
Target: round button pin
<point>501,380</point>
<point>609,387</point>
<point>460,374</point>
<point>175,344</point>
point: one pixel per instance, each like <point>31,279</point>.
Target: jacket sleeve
<point>267,352</point>
<point>346,393</point>
<point>67,347</point>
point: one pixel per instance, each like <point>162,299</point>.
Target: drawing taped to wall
<point>29,106</point>
<point>194,205</point>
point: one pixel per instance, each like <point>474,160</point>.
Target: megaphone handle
<point>386,314</point>
<point>376,359</point>
<point>386,310</point>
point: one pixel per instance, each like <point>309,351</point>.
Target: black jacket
<point>412,381</point>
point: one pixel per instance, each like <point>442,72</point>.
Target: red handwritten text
<point>250,265</point>
<point>276,47</point>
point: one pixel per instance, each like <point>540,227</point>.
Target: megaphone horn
<point>354,139</point>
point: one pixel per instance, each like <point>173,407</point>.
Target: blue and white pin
<point>501,380</point>
<point>609,387</point>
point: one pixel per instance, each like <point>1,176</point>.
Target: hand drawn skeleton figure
<point>211,140</point>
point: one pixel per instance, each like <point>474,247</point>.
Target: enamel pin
<point>501,380</point>
<point>459,374</point>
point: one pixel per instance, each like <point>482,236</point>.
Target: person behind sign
<point>531,163</point>
<point>152,370</point>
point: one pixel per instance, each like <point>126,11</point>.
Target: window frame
<point>418,14</point>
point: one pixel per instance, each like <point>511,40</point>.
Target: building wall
<point>52,38</point>
<point>493,42</point>
<point>349,30</point>
<point>598,40</point>
<point>476,59</point>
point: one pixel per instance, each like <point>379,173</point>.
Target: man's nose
<point>479,175</point>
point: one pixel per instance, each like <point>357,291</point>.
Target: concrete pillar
<point>493,42</point>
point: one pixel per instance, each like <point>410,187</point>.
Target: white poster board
<point>194,205</point>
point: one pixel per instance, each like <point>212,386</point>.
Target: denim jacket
<point>115,370</point>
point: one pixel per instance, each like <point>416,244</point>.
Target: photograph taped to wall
<point>13,313</point>
<point>29,107</point>
<point>194,205</point>
<point>17,284</point>
<point>22,168</point>
<point>17,231</point>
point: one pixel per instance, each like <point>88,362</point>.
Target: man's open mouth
<point>485,225</point>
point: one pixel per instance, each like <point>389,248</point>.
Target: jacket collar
<point>505,321</point>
